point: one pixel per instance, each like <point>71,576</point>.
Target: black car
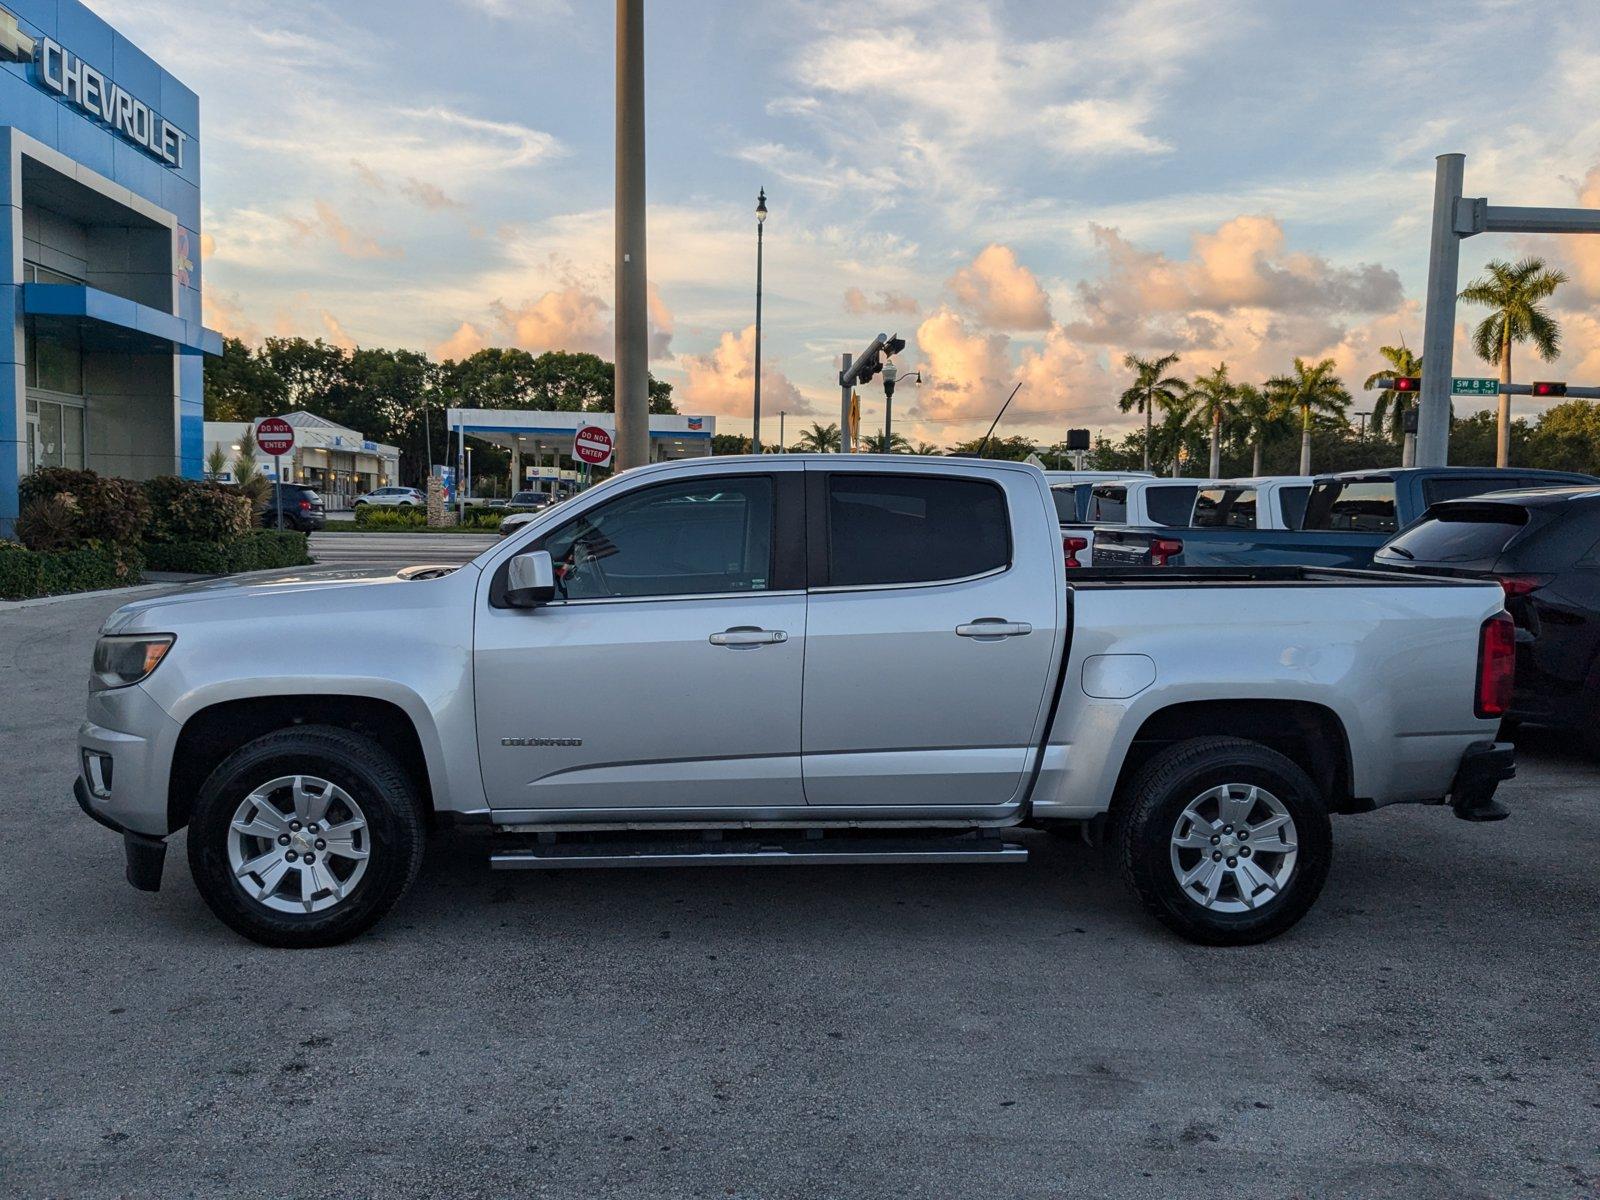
<point>302,508</point>
<point>1543,547</point>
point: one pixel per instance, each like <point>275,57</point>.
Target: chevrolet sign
<point>63,72</point>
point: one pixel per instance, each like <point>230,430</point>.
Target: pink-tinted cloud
<point>722,382</point>
<point>330,225</point>
<point>1000,292</point>
<point>858,303</point>
<point>466,341</point>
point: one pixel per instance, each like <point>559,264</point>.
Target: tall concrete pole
<point>847,361</point>
<point>1439,326</point>
<point>633,329</point>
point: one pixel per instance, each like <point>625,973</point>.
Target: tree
<point>247,476</point>
<point>1152,386</point>
<point>819,439</point>
<point>926,448</point>
<point>1214,397</point>
<point>1395,405</point>
<point>1314,391</point>
<point>1512,293</point>
<point>1173,441</point>
<point>1013,449</point>
<point>729,443</point>
<point>310,371</point>
<point>1255,419</point>
<point>876,443</point>
<point>241,386</point>
<point>216,462</point>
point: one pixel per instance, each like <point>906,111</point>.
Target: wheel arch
<point>212,733</point>
<point>1309,734</point>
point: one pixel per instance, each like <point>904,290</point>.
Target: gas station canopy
<point>536,434</point>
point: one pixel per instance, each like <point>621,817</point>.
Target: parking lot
<point>1429,1030</point>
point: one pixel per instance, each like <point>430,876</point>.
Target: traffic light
<point>894,345</point>
<point>1077,439</point>
<point>1406,383</point>
<point>1548,388</point>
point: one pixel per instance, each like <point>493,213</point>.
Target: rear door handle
<point>992,629</point>
<point>748,637</point>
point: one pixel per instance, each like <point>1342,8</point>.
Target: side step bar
<point>811,851</point>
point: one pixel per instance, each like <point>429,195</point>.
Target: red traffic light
<point>1407,383</point>
<point>1547,388</point>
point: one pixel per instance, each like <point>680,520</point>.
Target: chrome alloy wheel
<point>298,844</point>
<point>1234,848</point>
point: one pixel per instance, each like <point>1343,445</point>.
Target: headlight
<point>120,661</point>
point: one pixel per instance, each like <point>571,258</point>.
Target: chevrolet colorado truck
<point>787,660</point>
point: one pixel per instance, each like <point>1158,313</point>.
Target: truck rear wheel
<point>305,837</point>
<point>1225,841</point>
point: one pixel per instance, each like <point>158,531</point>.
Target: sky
<point>1024,190</point>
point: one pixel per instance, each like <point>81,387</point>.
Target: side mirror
<point>530,580</point>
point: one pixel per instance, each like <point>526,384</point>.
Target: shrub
<point>259,550</point>
<point>25,574</point>
<point>109,511</point>
<point>370,517</point>
<point>48,524</point>
<point>192,510</point>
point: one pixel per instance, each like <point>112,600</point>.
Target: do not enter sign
<point>275,436</point>
<point>592,445</point>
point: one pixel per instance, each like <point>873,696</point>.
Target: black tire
<point>388,801</point>
<point>1147,817</point>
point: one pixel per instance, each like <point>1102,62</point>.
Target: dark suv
<point>302,508</point>
<point>1543,547</point>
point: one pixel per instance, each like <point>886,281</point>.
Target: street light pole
<point>632,344</point>
<point>783,441</point>
<point>755,407</point>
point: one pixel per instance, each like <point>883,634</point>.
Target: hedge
<point>112,512</point>
<point>368,517</point>
<point>26,573</point>
<point>193,510</point>
<point>260,550</point>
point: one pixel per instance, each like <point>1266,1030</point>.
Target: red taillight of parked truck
<point>1071,547</point>
<point>1163,550</point>
<point>1497,665</point>
<point>305,506</point>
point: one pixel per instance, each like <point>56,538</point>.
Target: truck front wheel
<point>1225,841</point>
<point>305,836</point>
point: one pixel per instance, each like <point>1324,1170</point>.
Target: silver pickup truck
<point>791,659</point>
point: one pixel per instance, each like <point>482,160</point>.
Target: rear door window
<point>1210,508</point>
<point>1108,505</point>
<point>1459,487</point>
<point>1066,500</point>
<point>1241,512</point>
<point>1293,501</point>
<point>1172,504</point>
<point>889,529</point>
<point>1459,533</point>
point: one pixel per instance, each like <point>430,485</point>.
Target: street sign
<point>1474,387</point>
<point>592,445</point>
<point>275,436</point>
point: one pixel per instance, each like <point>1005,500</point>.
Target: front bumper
<point>146,855</point>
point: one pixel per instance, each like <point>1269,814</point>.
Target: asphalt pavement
<point>1011,1031</point>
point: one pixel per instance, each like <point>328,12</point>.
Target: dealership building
<point>100,168</point>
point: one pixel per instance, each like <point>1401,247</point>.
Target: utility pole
<point>860,369</point>
<point>755,407</point>
<point>632,346</point>
<point>783,443</point>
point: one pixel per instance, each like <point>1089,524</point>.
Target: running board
<point>835,851</point>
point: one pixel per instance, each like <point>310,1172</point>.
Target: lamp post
<point>755,408</point>
<point>891,375</point>
<point>783,443</point>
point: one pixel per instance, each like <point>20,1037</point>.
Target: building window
<point>33,273</point>
<point>55,434</point>
<point>55,359</point>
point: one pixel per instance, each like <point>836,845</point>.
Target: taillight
<point>1069,549</point>
<point>1163,549</point>
<point>1521,585</point>
<point>1497,665</point>
<point>305,506</point>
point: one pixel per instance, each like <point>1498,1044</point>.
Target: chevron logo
<point>15,46</point>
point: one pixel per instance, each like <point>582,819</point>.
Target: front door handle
<point>993,629</point>
<point>742,637</point>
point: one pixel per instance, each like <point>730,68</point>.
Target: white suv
<point>393,497</point>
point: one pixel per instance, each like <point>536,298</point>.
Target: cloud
<point>428,195</point>
<point>328,223</point>
<point>966,370</point>
<point>466,341</point>
<point>1145,297</point>
<point>567,319</point>
<point>1101,126</point>
<point>1000,292</point>
<point>223,312</point>
<point>722,382</point>
<point>336,332</point>
<point>858,303</point>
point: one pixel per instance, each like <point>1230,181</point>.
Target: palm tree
<point>1395,404</point>
<point>1152,386</point>
<point>1255,416</point>
<point>819,439</point>
<point>876,443</point>
<point>1314,389</point>
<point>1214,397</point>
<point>926,448</point>
<point>1512,293</point>
<point>1180,420</point>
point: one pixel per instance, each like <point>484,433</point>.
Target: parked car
<point>528,501</point>
<point>767,649</point>
<point>1542,546</point>
<point>1071,491</point>
<point>1348,516</point>
<point>1145,501</point>
<point>393,497</point>
<point>302,508</point>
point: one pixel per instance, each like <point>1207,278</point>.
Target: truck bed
<point>1098,578</point>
